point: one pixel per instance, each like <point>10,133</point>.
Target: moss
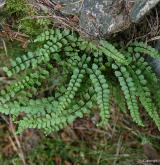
<point>34,27</point>
<point>17,6</point>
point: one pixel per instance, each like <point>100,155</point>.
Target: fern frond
<point>56,120</point>
<point>110,51</point>
<point>141,47</point>
<point>144,94</point>
<point>28,81</point>
<point>81,64</point>
<point>150,76</point>
<point>31,107</point>
<point>41,55</point>
<point>146,69</point>
<point>72,88</point>
<point>102,92</point>
<point>129,90</point>
<point>52,34</point>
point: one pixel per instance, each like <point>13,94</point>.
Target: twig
<point>18,149</point>
<point>5,48</point>
<point>93,130</point>
<point>154,38</point>
<point>118,149</point>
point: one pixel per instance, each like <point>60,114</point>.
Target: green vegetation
<point>17,7</point>
<point>86,73</point>
<point>61,79</point>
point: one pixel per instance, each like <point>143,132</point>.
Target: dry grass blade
<point>17,147</point>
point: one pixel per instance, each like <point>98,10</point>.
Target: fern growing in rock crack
<point>80,74</point>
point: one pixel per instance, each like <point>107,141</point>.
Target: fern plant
<point>88,74</point>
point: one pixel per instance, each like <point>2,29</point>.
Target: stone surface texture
<point>155,63</point>
<point>2,3</point>
<point>101,17</point>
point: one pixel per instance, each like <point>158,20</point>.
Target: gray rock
<point>141,8</point>
<point>2,3</point>
<point>101,17</point>
<point>155,63</point>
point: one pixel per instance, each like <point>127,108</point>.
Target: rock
<point>155,63</point>
<point>141,8</point>
<point>2,3</point>
<point>101,17</point>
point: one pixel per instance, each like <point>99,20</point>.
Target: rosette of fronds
<point>87,74</point>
